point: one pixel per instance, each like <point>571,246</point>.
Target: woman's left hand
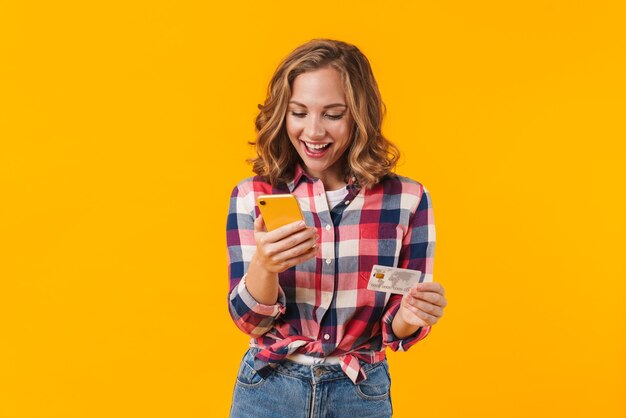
<point>423,305</point>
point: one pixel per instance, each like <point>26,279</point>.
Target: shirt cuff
<point>400,344</point>
<point>259,308</point>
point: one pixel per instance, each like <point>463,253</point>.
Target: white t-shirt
<point>335,197</point>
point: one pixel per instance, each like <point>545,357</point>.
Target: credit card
<point>393,279</point>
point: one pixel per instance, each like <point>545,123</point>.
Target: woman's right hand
<point>284,247</point>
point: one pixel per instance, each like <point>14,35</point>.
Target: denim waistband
<point>315,372</point>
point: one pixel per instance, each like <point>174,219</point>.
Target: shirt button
<point>328,261</point>
<point>326,337</point>
<point>328,227</point>
<point>347,202</point>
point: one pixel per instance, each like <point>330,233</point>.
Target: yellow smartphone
<point>279,210</point>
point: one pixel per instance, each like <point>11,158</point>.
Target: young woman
<point>318,335</point>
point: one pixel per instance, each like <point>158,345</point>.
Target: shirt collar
<point>299,175</point>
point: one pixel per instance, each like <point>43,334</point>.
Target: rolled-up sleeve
<point>417,253</point>
<point>250,316</point>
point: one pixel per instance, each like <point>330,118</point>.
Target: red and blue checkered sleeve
<point>250,316</point>
<point>418,246</point>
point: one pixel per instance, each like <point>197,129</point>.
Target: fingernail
<point>301,224</point>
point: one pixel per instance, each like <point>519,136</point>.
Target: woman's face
<point>319,124</point>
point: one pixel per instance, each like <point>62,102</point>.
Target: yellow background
<point>123,129</point>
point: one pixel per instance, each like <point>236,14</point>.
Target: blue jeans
<point>294,390</point>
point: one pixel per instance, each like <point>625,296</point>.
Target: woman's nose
<point>314,129</point>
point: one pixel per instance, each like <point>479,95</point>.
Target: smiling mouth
<point>316,147</point>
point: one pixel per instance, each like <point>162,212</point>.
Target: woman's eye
<point>331,117</point>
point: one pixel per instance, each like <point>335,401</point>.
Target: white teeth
<point>312,146</point>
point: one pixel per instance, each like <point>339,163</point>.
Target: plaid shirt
<point>324,307</point>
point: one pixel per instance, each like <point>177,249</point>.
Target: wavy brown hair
<point>370,156</point>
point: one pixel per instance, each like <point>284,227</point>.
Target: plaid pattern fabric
<point>324,307</point>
